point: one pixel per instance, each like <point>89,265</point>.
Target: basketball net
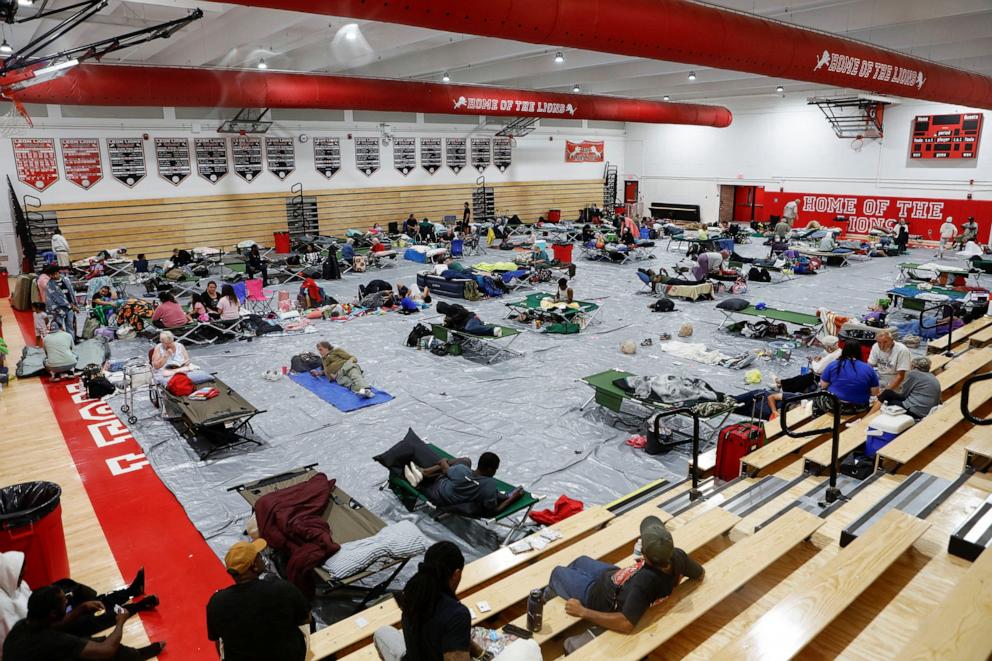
<point>15,121</point>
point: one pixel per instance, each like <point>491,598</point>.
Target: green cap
<point>656,542</point>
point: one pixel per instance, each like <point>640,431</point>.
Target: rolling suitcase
<point>734,442</point>
<point>23,289</point>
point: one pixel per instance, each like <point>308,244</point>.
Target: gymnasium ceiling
<point>956,33</point>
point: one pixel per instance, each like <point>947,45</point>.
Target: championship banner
<point>246,152</point>
<point>367,155</point>
<point>327,155</point>
<point>482,151</point>
<point>454,149</point>
<point>430,154</point>
<point>502,153</point>
<point>127,160</point>
<point>862,213</point>
<point>211,158</point>
<point>35,161</point>
<point>81,159</point>
<point>405,155</point>
<point>587,151</point>
<point>172,155</point>
<point>280,154</point>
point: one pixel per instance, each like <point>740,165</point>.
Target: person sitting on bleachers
<point>615,598</point>
<point>39,636</point>
<point>918,393</point>
<point>169,314</point>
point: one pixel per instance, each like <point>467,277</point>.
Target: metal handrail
<point>965,394</point>
<point>694,492</point>
<point>833,493</point>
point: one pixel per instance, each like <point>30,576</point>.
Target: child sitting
<point>42,322</point>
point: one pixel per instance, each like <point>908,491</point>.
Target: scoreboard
<point>946,136</point>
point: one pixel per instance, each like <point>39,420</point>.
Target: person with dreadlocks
<point>436,626</point>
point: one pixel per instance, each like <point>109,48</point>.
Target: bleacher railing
<point>832,494</point>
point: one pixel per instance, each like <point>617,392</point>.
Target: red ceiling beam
<point>677,31</point>
<point>113,85</point>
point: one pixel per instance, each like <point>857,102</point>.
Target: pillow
<point>199,376</point>
<point>411,448</point>
<point>733,304</point>
<point>396,541</point>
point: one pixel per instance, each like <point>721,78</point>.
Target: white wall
<point>778,142</point>
<point>538,156</point>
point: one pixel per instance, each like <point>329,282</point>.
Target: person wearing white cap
<point>948,230</point>
<point>615,598</point>
<point>256,619</point>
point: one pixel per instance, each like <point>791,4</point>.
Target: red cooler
<point>562,252</point>
<point>31,522</point>
<point>281,242</point>
<point>554,216</point>
<point>4,284</point>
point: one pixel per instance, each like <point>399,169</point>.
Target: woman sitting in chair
<point>169,314</point>
<point>228,306</point>
<point>104,303</point>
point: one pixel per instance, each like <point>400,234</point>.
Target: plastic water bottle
<point>535,610</point>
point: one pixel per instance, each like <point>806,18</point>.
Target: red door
<point>630,192</point>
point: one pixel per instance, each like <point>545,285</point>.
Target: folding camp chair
<point>257,300</point>
<point>349,520</point>
<point>286,273</point>
<point>473,245</point>
<point>513,518</point>
<point>480,344</point>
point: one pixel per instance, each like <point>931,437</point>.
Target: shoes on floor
<point>137,586</point>
<point>412,475</point>
<point>665,337</point>
<point>366,393</point>
<point>271,375</point>
<point>647,342</point>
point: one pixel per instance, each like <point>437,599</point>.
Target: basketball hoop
<point>858,143</point>
<point>15,121</point>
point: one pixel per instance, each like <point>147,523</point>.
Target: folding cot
<point>780,267</point>
<point>349,521</point>
<point>555,316</point>
<point>715,244</point>
<point>378,260</point>
<point>983,264</point>
<point>513,518</point>
<point>498,347</point>
<point>927,272</point>
<point>615,253</point>
<point>841,255</point>
<point>801,319</point>
<point>915,299</point>
<point>284,272</point>
<point>610,395</point>
<point>211,425</point>
<point>689,292</point>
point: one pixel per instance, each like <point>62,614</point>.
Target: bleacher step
<point>757,495</point>
<point>974,535</point>
<point>918,495</point>
<point>813,501</point>
<point>641,496</point>
<point>683,502</point>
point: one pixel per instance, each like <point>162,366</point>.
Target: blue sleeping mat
<point>339,396</point>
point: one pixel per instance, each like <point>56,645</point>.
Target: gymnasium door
<point>749,204</point>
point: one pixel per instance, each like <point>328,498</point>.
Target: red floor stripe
<point>143,522</point>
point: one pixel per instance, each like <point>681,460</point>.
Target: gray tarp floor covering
<point>524,409</point>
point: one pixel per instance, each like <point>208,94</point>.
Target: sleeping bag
<point>92,352</point>
<point>32,363</point>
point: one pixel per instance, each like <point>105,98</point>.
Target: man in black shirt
<point>37,637</point>
<point>615,598</point>
<point>255,620</point>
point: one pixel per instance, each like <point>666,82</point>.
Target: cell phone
<point>514,630</point>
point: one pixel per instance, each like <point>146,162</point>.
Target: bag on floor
<point>471,291</point>
<point>733,443</point>
<point>304,362</point>
<point>662,305</point>
<point>359,264</point>
<point>174,274</point>
<point>98,386</point>
<point>419,331</point>
<point>89,328</point>
<point>32,362</point>
<point>759,274</point>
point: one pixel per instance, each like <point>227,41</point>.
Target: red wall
<point>865,212</point>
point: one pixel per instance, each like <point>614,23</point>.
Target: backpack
<point>174,274</point>
<point>471,292</point>
<point>759,274</point>
<point>89,328</point>
<point>304,362</point>
<point>419,331</point>
<point>662,305</point>
<point>97,386</point>
<point>359,263</point>
<point>180,385</point>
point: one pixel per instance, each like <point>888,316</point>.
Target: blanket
<point>698,353</point>
<point>291,520</point>
<point>337,395</point>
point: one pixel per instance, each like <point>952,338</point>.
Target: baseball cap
<point>241,556</point>
<point>656,542</point>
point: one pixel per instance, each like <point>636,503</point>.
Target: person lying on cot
<point>918,393</point>
<point>615,598</point>
<point>459,318</point>
<point>343,368</point>
<point>453,483</point>
<point>169,314</point>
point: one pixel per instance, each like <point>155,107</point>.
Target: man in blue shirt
<point>457,485</point>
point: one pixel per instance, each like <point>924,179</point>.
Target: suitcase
<point>23,288</point>
<point>733,443</point>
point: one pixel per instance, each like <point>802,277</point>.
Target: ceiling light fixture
<point>25,3</point>
<point>56,67</point>
<point>666,98</point>
<point>262,64</point>
<point>692,75</point>
<point>576,89</point>
<point>779,89</point>
<point>559,57</point>
<point>6,48</point>
<point>445,78</point>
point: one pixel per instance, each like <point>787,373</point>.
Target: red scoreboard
<point>946,136</point>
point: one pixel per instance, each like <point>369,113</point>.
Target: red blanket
<point>291,520</point>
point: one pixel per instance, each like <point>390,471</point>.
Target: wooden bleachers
<point>348,632</point>
<point>956,372</point>
<point>958,627</point>
<point>978,447</point>
<point>817,460</point>
<point>919,437</point>
<point>753,463</point>
<point>156,226</point>
<point>982,337</point>
<point>727,572</point>
<point>959,335</point>
<point>784,630</point>
<point>689,537</point>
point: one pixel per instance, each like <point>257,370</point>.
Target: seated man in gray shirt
<point>918,393</point>
<point>474,491</point>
